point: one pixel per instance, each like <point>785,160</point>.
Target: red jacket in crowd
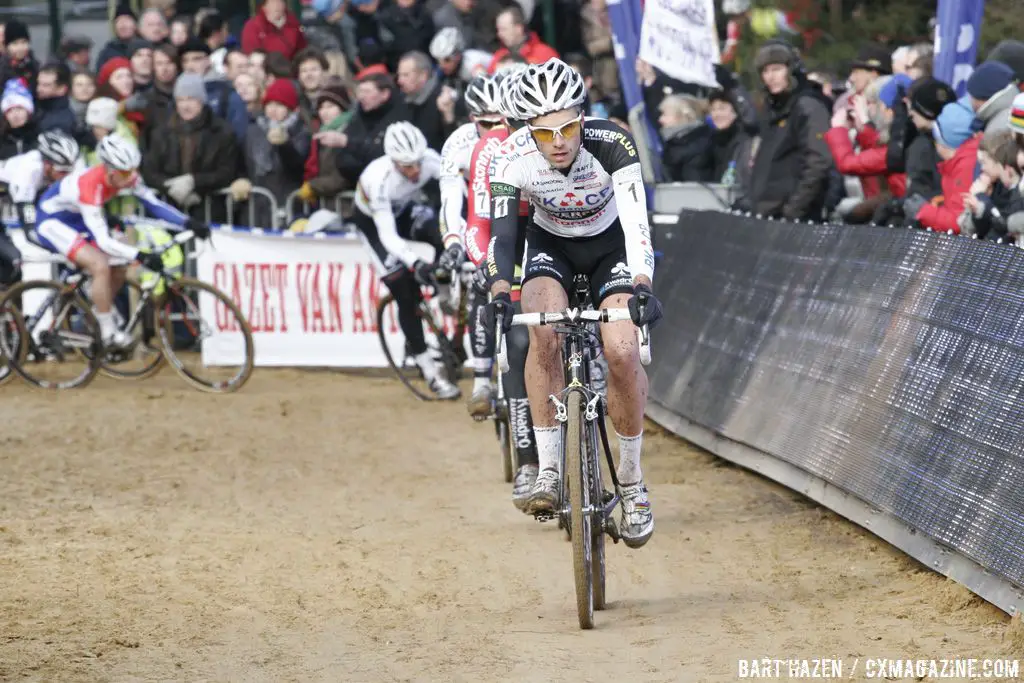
<point>868,164</point>
<point>957,176</point>
<point>259,34</point>
<point>533,51</point>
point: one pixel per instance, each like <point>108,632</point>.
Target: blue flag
<point>956,41</point>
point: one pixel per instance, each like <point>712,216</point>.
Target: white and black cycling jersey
<point>26,177</point>
<point>382,193</point>
<point>455,157</point>
<point>601,190</point>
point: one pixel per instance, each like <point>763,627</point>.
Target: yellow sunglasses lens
<point>569,130</point>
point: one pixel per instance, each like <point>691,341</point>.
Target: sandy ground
<point>324,527</point>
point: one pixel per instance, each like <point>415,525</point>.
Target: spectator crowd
<point>286,109</point>
<point>891,145</point>
<point>294,108</point>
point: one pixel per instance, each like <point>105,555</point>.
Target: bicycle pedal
<point>544,516</point>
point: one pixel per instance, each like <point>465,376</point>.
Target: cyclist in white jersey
<point>26,175</point>
<point>590,217</point>
<point>386,216</point>
<point>482,101</point>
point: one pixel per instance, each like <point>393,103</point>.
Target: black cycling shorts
<point>601,258</point>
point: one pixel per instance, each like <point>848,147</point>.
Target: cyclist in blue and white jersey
<point>482,101</point>
<point>71,221</point>
<point>26,175</point>
<point>590,217</point>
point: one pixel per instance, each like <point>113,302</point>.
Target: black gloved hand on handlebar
<point>644,307</point>
<point>152,261</point>
<point>500,310</point>
<point>199,229</point>
<point>452,257</point>
<point>424,273</point>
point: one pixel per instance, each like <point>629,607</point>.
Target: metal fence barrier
<point>879,371</point>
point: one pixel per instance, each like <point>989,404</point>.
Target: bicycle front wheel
<point>402,362</point>
<point>503,430</point>
<point>13,332</point>
<point>579,502</point>
<point>204,336</point>
<point>55,328</point>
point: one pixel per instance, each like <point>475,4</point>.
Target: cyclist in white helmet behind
<point>590,217</point>
<point>71,221</point>
<point>386,216</point>
<point>448,48</point>
<point>482,100</point>
<point>26,175</point>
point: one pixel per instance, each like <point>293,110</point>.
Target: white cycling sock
<point>549,446</point>
<point>481,372</point>
<point>107,324</point>
<point>425,362</point>
<point>628,470</point>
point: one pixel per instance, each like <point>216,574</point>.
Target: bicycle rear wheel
<point>579,518</point>
<point>63,328</point>
<point>402,363</point>
<point>196,322</point>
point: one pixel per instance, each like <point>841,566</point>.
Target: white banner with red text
<point>309,302</point>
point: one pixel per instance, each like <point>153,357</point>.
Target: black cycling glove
<point>644,307</point>
<point>500,311</point>
<point>152,261</point>
<point>424,273</point>
<point>199,229</point>
<point>452,257</point>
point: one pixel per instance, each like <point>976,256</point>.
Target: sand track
<point>325,527</point>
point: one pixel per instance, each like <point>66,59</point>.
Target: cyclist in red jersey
<point>475,242</point>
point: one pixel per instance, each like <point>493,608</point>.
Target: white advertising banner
<point>679,38</point>
<point>309,302</point>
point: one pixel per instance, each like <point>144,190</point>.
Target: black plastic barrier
<point>881,368</point>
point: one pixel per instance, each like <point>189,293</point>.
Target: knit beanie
<point>1011,53</point>
<point>102,112</point>
<point>16,95</point>
<point>283,92</point>
<point>15,30</point>
<point>190,85</point>
<point>953,127</point>
<point>335,91</point>
<point>773,53</point>
<point>929,95</point>
<point>124,11</point>
<point>110,67</point>
<point>988,79</point>
<point>194,44</point>
<point>138,44</point>
<point>1017,114</point>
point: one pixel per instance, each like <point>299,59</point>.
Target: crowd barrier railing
<point>877,371</point>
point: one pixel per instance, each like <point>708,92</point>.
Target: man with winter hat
<point>957,147</point>
<point>222,98</point>
<point>18,61</point>
<point>992,87</point>
<point>125,25</point>
<point>872,61</point>
<point>790,173</point>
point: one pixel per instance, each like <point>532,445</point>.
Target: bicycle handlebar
<point>572,316</point>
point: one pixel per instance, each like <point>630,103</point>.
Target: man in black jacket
<point>792,163</point>
<point>363,140</point>
<point>422,86</point>
<point>52,108</point>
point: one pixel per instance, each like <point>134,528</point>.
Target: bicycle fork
<point>578,382</point>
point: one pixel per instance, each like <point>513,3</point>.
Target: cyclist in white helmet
<point>482,101</point>
<point>590,217</point>
<point>26,175</point>
<point>71,221</point>
<point>386,216</point>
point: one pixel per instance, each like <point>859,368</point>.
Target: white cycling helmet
<point>508,92</point>
<point>118,153</point>
<point>404,143</point>
<point>59,148</point>
<point>447,43</point>
<point>482,96</point>
<point>548,87</point>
